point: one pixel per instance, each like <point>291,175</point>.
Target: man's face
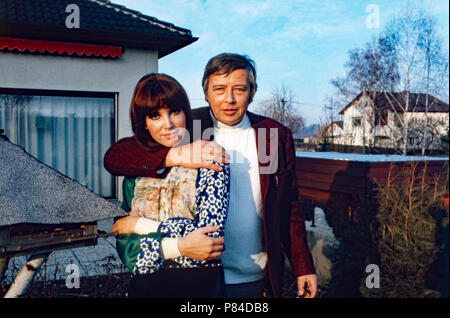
<point>228,96</point>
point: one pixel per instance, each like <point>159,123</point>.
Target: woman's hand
<point>125,225</point>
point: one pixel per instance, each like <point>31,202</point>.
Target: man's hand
<point>125,225</point>
<point>199,154</point>
<point>307,286</point>
<point>197,245</point>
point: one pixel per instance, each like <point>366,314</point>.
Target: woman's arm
<point>212,197</point>
<point>193,242</point>
<point>138,246</point>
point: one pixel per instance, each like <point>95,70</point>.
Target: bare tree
<point>368,69</point>
<point>330,109</point>
<point>283,107</point>
<point>408,58</point>
<point>423,68</point>
<point>435,65</point>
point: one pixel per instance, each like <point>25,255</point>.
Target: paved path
<point>100,259</point>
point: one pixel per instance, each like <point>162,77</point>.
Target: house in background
<point>65,91</point>
<point>378,122</point>
<point>335,131</point>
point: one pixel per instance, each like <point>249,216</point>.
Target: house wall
<point>55,72</point>
<point>356,133</point>
<point>337,134</point>
<point>438,121</point>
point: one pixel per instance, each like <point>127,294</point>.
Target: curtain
<point>70,134</point>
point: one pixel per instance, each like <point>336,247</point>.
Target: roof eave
<point>162,53</point>
<point>342,111</point>
<point>164,44</point>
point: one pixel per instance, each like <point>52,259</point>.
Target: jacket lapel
<point>262,148</point>
<point>205,123</point>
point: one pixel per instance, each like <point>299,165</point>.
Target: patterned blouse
<point>183,201</point>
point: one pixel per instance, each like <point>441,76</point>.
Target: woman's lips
<point>171,135</point>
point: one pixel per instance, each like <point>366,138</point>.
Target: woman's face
<point>166,126</point>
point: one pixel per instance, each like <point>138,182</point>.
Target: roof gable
<point>101,22</point>
<point>417,102</point>
<point>33,192</point>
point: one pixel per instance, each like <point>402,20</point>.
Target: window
<point>356,121</point>
<point>412,140</point>
<point>381,118</point>
<point>69,133</point>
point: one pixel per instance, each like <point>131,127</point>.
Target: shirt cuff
<point>169,248</point>
<point>144,226</point>
<point>160,171</point>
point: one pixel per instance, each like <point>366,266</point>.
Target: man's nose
<point>229,96</point>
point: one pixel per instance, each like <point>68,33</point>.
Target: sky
<point>301,44</point>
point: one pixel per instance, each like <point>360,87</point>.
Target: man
<point>264,222</point>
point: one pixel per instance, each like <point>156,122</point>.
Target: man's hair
<point>152,92</point>
<point>226,63</point>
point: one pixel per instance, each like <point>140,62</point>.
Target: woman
<point>165,211</point>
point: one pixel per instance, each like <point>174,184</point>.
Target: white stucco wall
<point>356,132</point>
<point>54,72</point>
<point>439,121</point>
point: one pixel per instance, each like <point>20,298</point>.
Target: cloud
<point>251,10</point>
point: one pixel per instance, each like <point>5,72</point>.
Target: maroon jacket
<point>284,226</point>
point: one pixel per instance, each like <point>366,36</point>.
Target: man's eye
<point>219,89</point>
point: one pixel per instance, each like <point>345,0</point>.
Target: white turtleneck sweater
<point>244,259</point>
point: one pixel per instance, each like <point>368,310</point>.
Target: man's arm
<point>127,158</point>
<point>301,259</point>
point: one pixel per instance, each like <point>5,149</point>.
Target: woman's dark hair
<point>153,92</point>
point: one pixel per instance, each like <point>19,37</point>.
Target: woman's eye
<point>176,111</point>
<point>153,116</point>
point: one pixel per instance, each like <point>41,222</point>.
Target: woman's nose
<point>167,121</point>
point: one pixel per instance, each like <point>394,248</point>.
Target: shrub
<point>397,226</point>
<point>406,231</point>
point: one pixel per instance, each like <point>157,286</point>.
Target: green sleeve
<point>129,246</point>
<point>128,193</point>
